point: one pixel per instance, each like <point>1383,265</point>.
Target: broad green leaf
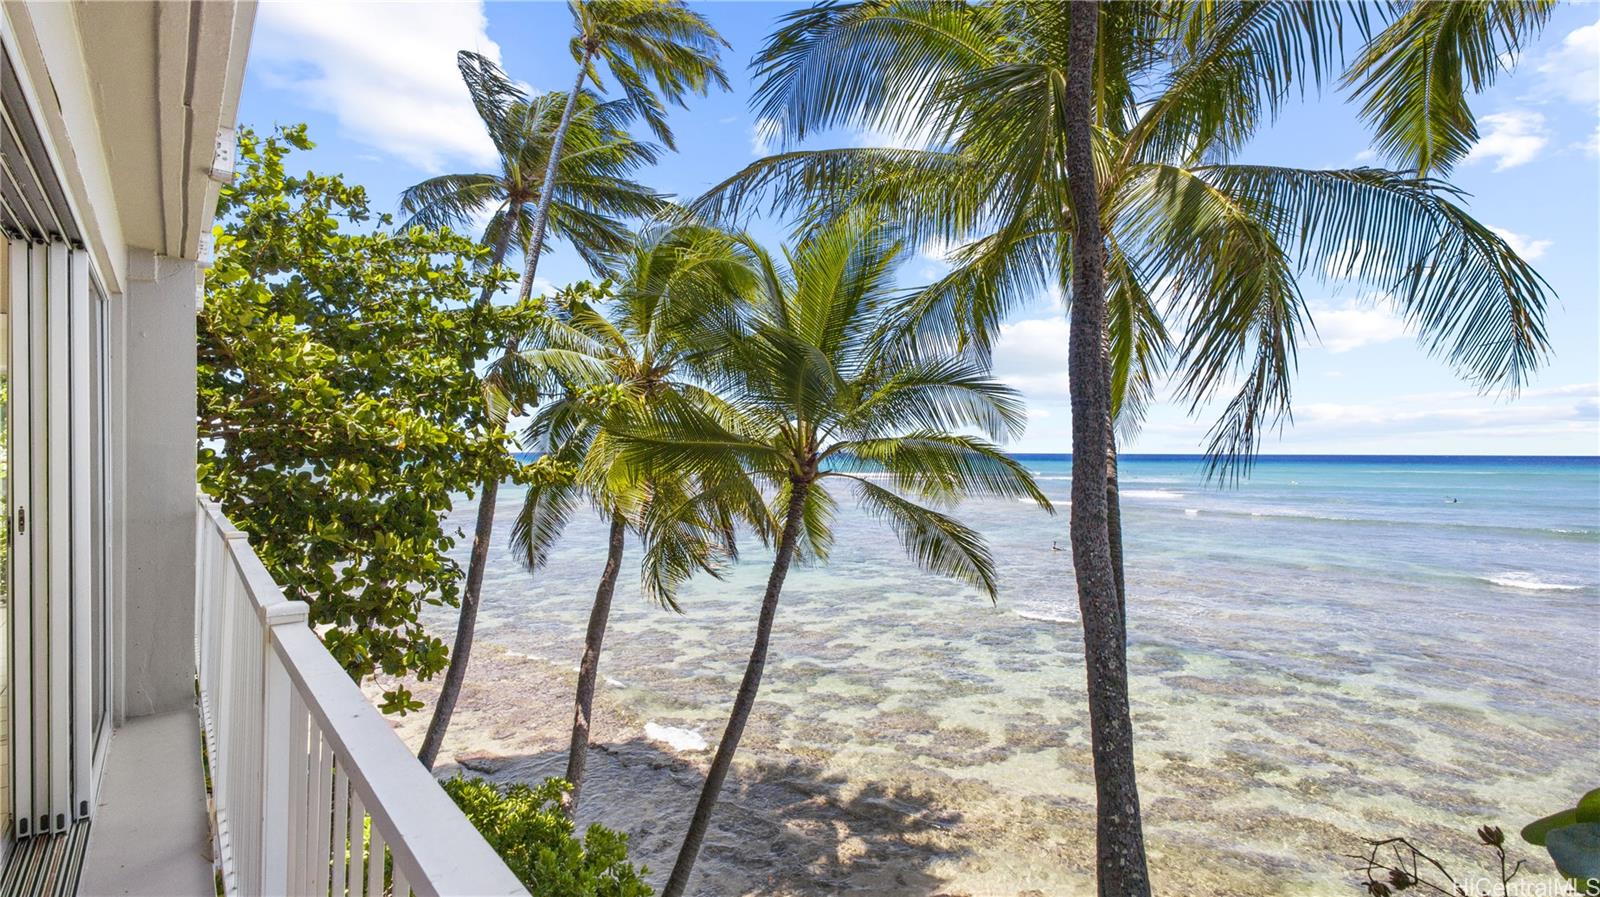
<point>1576,852</point>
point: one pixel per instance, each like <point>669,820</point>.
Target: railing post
<point>227,615</point>
<point>277,754</point>
<point>202,569</point>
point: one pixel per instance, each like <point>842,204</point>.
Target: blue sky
<point>377,84</point>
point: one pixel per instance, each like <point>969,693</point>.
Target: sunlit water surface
<point>1337,648</point>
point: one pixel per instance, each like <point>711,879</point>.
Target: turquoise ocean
<point>1334,648</point>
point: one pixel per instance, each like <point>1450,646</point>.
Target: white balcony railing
<point>313,793</point>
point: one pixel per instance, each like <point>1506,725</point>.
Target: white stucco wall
<point>158,544</point>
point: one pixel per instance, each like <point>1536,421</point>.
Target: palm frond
<point>942,393</point>
<point>1416,76</point>
<point>935,541</point>
<point>684,535</point>
<point>493,94</point>
<point>1458,283</point>
<point>873,66</point>
<point>1137,343</point>
<point>938,466</point>
<point>1235,64</point>
<point>547,506</point>
<point>450,200</point>
<point>1234,286</point>
<point>816,523</point>
<point>658,52</point>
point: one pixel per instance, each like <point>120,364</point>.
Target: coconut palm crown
<point>1206,256</point>
<point>816,393</point>
<point>607,355</point>
<point>595,197</point>
<point>657,51</point>
<point>814,397</point>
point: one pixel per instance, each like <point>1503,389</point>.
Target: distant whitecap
<point>1518,579</point>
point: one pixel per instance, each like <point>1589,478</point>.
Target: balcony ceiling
<point>165,78</point>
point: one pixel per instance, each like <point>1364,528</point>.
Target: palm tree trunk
<point>589,667</point>
<point>1120,856</point>
<point>502,245</point>
<point>547,190</point>
<point>457,671</point>
<point>744,700</point>
<point>1114,529</point>
<point>450,691</point>
<point>461,652</point>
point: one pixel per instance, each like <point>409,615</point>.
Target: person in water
<point>1054,546</point>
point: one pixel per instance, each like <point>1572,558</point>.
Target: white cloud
<point>903,139</point>
<point>1358,323</point>
<point>1413,414</point>
<point>385,71</point>
<point>1572,71</point>
<point>1589,390</point>
<point>935,258</point>
<point>1367,155</point>
<point>1056,300</point>
<point>1526,247</point>
<point>1567,390</point>
<point>1031,355</point>
<point>1510,138</point>
<point>762,133</point>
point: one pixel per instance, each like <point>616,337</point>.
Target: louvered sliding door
<point>52,558</point>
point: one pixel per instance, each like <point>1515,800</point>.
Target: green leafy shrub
<point>339,412</point>
<point>1572,838</point>
<point>527,828</point>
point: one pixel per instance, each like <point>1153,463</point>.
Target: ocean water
<point>1336,648</point>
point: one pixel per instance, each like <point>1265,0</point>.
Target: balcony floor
<point>150,834</point>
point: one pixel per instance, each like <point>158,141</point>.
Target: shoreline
<point>818,831</point>
<point>791,825</point>
<point>912,739</point>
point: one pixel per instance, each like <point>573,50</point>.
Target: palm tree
<point>594,192</point>
<point>592,198</point>
<point>813,395</point>
<point>1121,867</point>
<point>1217,248</point>
<point>613,361</point>
<point>655,50</point>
